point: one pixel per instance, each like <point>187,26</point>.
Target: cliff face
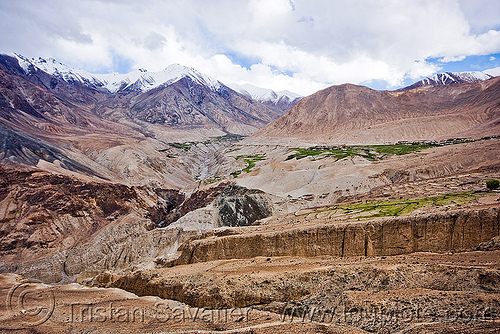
<point>42,213</point>
<point>325,263</point>
<point>450,231</point>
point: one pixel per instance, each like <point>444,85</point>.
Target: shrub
<point>492,184</point>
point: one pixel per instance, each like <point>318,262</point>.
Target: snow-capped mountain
<point>448,78</point>
<point>140,80</point>
<point>493,71</point>
<point>263,94</point>
<point>282,100</point>
<point>170,100</point>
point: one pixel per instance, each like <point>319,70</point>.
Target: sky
<point>296,45</point>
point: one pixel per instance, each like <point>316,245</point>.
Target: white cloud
<point>449,59</point>
<point>93,57</point>
<point>482,15</point>
<point>298,45</point>
<point>493,71</point>
<point>421,69</point>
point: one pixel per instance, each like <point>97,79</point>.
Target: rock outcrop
<point>53,227</point>
<point>238,206</point>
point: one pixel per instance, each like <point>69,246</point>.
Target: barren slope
<point>349,114</point>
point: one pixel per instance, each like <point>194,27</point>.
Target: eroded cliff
<point>457,230</point>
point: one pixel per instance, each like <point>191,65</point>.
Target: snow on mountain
<point>448,78</point>
<point>141,79</point>
<point>52,67</point>
<point>474,76</point>
<point>263,94</point>
<point>455,77</point>
<point>495,72</point>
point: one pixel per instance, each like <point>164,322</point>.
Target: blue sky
<point>470,63</point>
<point>296,45</point>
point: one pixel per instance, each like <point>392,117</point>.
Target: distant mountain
<point>140,80</point>
<point>494,72</point>
<point>177,97</point>
<point>281,101</point>
<point>351,114</point>
<point>449,78</point>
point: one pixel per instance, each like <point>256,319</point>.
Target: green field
<point>373,152</point>
<point>370,152</point>
<point>250,160</point>
<point>399,207</point>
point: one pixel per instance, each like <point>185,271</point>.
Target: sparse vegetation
<point>236,173</point>
<point>165,150</point>
<point>212,180</point>
<point>183,146</point>
<point>233,149</point>
<point>370,152</point>
<point>230,137</point>
<point>219,139</point>
<point>186,146</point>
<point>399,207</point>
<point>250,160</point>
<point>399,149</point>
<point>336,152</point>
<point>374,152</point>
<point>492,184</point>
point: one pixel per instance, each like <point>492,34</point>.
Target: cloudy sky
<point>297,45</point>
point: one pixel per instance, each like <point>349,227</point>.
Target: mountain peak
<point>448,78</point>
<point>178,68</point>
<point>281,101</point>
<point>176,72</point>
<point>140,79</point>
<point>263,94</point>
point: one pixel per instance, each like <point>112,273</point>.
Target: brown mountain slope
<point>70,127</point>
<point>57,130</point>
<point>358,115</point>
<point>189,107</point>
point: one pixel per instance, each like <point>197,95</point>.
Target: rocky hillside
<point>177,96</point>
<point>45,218</point>
<point>350,114</point>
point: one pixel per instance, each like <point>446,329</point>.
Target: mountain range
<point>449,78</point>
<point>142,81</point>
<point>281,101</point>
